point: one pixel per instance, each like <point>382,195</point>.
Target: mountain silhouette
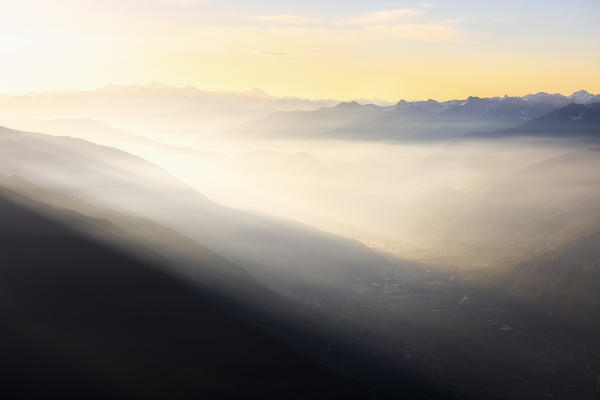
<point>83,320</point>
<point>414,120</point>
<point>572,120</point>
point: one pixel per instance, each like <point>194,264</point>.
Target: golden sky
<point>319,49</point>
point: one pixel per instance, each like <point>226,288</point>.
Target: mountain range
<point>419,120</point>
<point>183,116</point>
<point>165,113</point>
<point>572,120</point>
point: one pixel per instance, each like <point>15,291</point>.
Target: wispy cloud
<point>432,32</point>
<point>192,2</point>
<point>270,53</point>
<point>381,17</point>
<point>278,53</point>
<point>403,23</point>
<point>286,19</point>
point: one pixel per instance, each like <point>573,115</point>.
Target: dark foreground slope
<point>79,319</point>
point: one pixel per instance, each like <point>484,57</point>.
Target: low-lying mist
<point>463,203</point>
<point>223,216</point>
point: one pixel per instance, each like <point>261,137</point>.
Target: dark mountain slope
<point>310,330</point>
<point>561,279</point>
<point>80,319</point>
<point>573,120</point>
<point>292,259</point>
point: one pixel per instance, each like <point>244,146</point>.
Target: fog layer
<point>467,203</point>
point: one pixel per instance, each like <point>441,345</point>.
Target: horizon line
<point>269,94</point>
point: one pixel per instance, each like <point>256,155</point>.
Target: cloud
<point>192,2</point>
<point>270,53</point>
<point>434,32</point>
<point>403,23</point>
<point>381,17</point>
<point>279,53</point>
<point>285,19</point>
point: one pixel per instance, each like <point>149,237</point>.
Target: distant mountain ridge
<point>412,120</point>
<point>175,115</point>
<point>181,115</point>
<point>572,120</point>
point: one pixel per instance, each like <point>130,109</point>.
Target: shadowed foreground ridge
<point>82,320</point>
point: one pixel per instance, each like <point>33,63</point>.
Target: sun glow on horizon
<point>410,51</point>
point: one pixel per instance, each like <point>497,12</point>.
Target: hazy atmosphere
<point>316,200</point>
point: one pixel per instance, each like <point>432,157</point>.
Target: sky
<point>342,49</point>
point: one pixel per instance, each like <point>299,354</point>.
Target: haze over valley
<point>318,200</point>
<point>425,197</point>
